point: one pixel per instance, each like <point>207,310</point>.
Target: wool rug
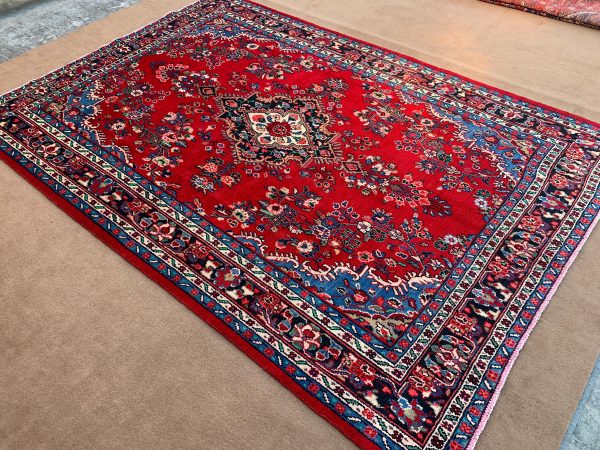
<point>580,12</point>
<point>378,234</point>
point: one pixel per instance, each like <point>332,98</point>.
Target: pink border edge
<point>352,434</point>
<point>492,403</point>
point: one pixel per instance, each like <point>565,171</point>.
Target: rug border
<point>280,375</point>
<point>503,377</point>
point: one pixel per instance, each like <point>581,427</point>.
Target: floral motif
<point>276,130</point>
<point>214,174</point>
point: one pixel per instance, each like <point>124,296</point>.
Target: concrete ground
<point>584,431</point>
<point>37,22</point>
<point>94,355</point>
<point>10,4</point>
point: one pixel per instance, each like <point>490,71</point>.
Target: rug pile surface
<point>580,12</point>
<point>378,234</point>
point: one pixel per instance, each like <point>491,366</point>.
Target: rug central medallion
<point>275,130</point>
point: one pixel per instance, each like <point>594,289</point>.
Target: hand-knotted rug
<point>580,12</point>
<point>379,234</point>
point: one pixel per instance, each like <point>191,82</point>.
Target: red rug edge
<point>318,407</point>
<point>542,13</point>
<point>78,216</point>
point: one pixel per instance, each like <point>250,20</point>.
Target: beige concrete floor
<point>94,355</point>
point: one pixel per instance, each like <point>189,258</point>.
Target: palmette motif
<point>382,232</point>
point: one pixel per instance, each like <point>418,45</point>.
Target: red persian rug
<point>380,235</point>
<point>580,12</point>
